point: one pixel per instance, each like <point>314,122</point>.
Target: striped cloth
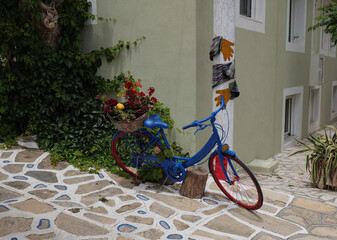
<point>222,73</point>
<point>215,47</point>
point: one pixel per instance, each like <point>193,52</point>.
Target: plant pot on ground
<point>321,160</point>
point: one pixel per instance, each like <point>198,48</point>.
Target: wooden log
<point>194,184</point>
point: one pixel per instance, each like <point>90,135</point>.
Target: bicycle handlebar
<point>197,123</point>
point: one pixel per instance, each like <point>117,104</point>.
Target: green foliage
<point>322,158</point>
<point>164,112</point>
<point>328,18</point>
<point>53,93</point>
<point>151,173</point>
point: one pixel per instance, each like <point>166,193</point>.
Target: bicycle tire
<point>245,191</point>
<point>127,148</point>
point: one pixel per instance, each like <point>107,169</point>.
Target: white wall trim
<point>296,47</point>
<point>333,100</point>
<point>297,92</point>
<point>253,24</point>
<point>314,126</point>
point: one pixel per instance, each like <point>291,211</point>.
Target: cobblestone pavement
<point>39,201</point>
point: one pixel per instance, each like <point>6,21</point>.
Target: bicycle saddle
<point>154,121</point>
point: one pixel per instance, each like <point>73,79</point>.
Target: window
<point>296,25</point>
<point>326,46</point>
<point>314,108</point>
<point>292,115</point>
<point>334,100</point>
<point>246,8</point>
<point>250,14</point>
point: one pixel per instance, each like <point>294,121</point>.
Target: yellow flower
<point>120,106</point>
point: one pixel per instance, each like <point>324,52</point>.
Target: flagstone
<point>44,176</point>
<point>78,226</point>
<point>126,198</point>
<point>330,220</point>
<point>227,224</point>
<point>30,155</point>
<point>161,210</point>
<point>6,155</point>
<point>128,207</point>
<point>13,168</point>
<point>71,173</point>
<point>266,222</point>
<point>3,176</point>
<point>308,237</point>
<point>276,198</point>
<point>180,203</point>
<point>124,238</point>
<point>101,219</point>
<point>190,218</point>
<point>300,212</point>
<point>76,180</point>
<point>215,210</point>
<point>67,204</point>
<point>325,231</point>
<point>91,187</point>
<point>18,184</point>
<point>50,235</point>
<point>124,182</point>
<point>180,226</point>
<point>296,219</point>
<point>33,206</point>
<point>6,194</point>
<point>142,220</point>
<point>265,236</point>
<point>46,164</point>
<point>313,205</point>
<point>209,235</point>
<point>94,197</point>
<point>43,193</point>
<point>151,234</point>
<point>10,225</point>
<point>110,203</point>
<point>99,209</point>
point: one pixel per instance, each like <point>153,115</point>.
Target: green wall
<point>173,58</point>
<point>264,68</point>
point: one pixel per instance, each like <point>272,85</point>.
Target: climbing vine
<point>49,86</point>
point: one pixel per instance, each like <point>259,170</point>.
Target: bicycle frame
<point>207,148</point>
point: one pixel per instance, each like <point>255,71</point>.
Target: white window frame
<point>295,42</point>
<point>334,100</point>
<point>254,23</point>
<point>314,125</point>
<point>92,10</point>
<point>296,93</point>
<point>328,50</point>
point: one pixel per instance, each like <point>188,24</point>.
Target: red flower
<point>107,109</point>
<point>151,90</point>
<point>142,94</point>
<point>111,102</point>
<point>138,84</point>
<point>133,90</point>
<point>128,85</point>
<point>154,99</point>
<point>130,103</point>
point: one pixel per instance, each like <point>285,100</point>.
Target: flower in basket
<point>136,102</point>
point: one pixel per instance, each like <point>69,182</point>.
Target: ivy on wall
<point>50,88</point>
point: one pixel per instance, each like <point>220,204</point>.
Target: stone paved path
<point>39,201</point>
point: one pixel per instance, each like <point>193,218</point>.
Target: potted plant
<point>321,160</point>
<point>129,115</point>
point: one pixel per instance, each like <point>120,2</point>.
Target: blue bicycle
<point>133,150</point>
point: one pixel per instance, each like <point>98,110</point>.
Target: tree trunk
<point>194,184</point>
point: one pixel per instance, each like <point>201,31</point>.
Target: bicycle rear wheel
<point>244,190</point>
<point>129,148</point>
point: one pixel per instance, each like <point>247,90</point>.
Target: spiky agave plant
<point>321,160</point>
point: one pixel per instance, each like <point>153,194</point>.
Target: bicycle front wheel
<point>129,150</point>
<point>243,188</point>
